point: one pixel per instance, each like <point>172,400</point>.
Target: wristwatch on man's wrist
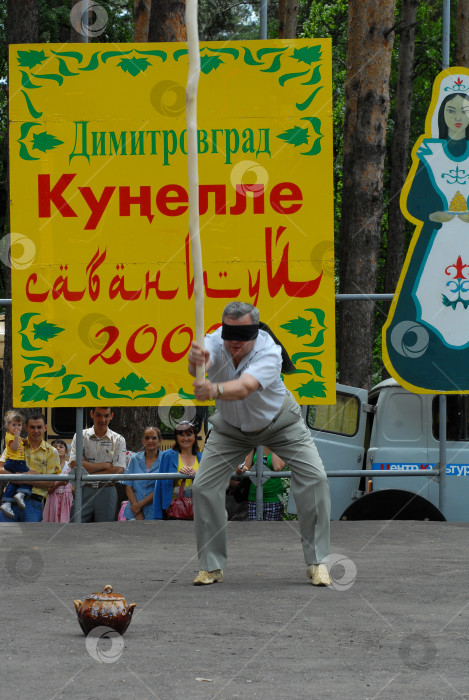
<point>219,390</point>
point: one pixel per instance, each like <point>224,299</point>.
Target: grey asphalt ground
<point>393,625</point>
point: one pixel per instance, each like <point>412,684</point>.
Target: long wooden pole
<point>192,144</point>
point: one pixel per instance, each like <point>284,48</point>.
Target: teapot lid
<point>106,594</point>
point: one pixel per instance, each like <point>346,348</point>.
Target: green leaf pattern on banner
<point>209,63</point>
<point>94,62</point>
<point>26,82</point>
<point>296,135</point>
<point>307,54</point>
<point>29,369</point>
<point>298,326</point>
<point>133,65</point>
<point>315,328</point>
<point>30,59</point>
<point>68,386</point>
<point>312,389</point>
<point>134,62</point>
<point>59,373</point>
<point>45,142</point>
<point>25,318</point>
<point>46,331</point>
<point>34,393</point>
<point>132,383</point>
<point>184,395</point>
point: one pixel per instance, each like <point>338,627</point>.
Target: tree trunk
<point>287,19</point>
<point>23,28</point>
<point>131,422</point>
<point>142,9</point>
<point>462,39</point>
<point>366,112</point>
<point>167,20</point>
<point>395,250</point>
<point>23,21</point>
<point>78,31</point>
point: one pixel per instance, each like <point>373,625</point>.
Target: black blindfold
<point>241,332</point>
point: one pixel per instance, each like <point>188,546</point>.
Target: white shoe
<point>319,575</point>
<point>19,500</point>
<point>8,510</point>
<point>205,578</point>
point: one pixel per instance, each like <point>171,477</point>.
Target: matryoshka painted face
<point>456,116</point>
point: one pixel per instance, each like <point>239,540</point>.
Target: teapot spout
<point>77,604</point>
<point>131,608</point>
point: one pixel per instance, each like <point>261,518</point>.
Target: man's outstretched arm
<point>234,390</point>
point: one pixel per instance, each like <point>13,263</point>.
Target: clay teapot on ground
<point>107,609</point>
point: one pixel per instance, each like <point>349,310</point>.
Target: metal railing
<point>258,475</point>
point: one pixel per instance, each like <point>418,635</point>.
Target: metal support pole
<point>442,480</point>
<point>446,32</point>
<point>259,483</point>
<point>263,20</point>
<point>79,464</point>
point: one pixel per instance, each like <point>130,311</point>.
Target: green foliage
<point>54,21</point>
<point>286,483</point>
<point>222,20</point>
<point>329,20</point>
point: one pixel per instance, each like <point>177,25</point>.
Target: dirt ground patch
<point>394,624</point>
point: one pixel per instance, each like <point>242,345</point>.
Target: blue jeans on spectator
<point>31,514</point>
<point>15,466</point>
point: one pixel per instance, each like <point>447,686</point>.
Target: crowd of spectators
<point>104,452</point>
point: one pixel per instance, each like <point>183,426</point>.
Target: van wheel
<point>391,504</point>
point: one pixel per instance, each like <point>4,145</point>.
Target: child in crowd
<point>14,463</point>
<point>60,495</point>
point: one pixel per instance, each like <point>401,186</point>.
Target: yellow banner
<point>102,284</point>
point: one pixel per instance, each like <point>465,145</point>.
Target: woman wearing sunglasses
<point>183,458</point>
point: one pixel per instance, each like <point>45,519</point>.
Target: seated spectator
<point>184,458</point>
<point>237,498</point>
<point>139,491</point>
<point>60,495</point>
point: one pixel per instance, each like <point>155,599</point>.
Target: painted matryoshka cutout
<point>426,336</point>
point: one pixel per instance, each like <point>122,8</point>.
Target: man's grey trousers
<point>289,438</point>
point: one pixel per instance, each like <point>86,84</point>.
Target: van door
<point>339,432</point>
<point>399,441</point>
<point>457,454</point>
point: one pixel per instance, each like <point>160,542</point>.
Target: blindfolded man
<point>254,408</point>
